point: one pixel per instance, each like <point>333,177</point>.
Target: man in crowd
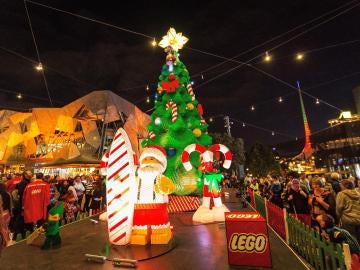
<point>36,198</point>
<point>79,188</point>
<point>17,200</point>
<point>348,208</point>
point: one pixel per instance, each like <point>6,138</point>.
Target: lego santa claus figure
<point>151,220</point>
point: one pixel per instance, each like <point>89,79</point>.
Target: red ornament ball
<point>171,77</point>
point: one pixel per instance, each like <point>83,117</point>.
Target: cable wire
<point>277,37</point>
<point>91,19</point>
<point>37,53</point>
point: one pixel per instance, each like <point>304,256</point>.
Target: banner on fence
<point>247,239</point>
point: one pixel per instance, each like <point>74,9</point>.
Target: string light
<point>211,119</point>
<point>147,87</point>
<point>153,43</point>
<point>280,100</point>
<point>147,99</point>
<point>192,82</point>
<point>272,133</point>
<point>19,96</point>
<point>296,138</point>
<point>243,124</point>
<point>202,76</point>
<point>267,57</point>
<point>252,108</point>
<point>299,56</point>
<point>39,67</point>
<point>317,101</point>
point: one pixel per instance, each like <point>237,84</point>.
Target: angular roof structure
<point>77,131</point>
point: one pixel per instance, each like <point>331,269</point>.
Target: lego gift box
<point>247,239</point>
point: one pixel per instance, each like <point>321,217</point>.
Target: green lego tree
<point>177,120</point>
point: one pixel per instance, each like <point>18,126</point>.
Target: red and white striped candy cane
<point>202,120</point>
<point>174,113</point>
<point>120,189</point>
<point>226,152</point>
<point>104,163</point>
<point>151,135</point>
<point>191,91</point>
<point>185,158</point>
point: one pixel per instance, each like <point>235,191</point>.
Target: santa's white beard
<point>149,172</point>
<point>147,175</point>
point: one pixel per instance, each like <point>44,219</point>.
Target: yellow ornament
<point>190,106</point>
<point>164,185</point>
<point>197,132</point>
<point>173,39</point>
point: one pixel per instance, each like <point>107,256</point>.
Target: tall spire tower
<point>307,151</point>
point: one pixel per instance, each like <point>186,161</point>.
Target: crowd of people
<point>331,201</point>
<point>26,198</point>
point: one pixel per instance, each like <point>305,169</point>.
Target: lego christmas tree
<point>177,120</point>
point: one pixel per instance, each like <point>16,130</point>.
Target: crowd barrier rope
<point>295,230</point>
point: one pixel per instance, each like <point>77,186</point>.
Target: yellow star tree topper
<point>173,39</point>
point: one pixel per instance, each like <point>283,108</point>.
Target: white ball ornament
<point>157,121</point>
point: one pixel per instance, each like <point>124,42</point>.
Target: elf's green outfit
<point>53,227</point>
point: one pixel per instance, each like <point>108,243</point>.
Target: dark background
<point>82,56</point>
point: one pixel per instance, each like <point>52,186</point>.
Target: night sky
<point>82,56</point>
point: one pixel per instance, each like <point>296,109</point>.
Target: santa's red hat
<point>154,151</point>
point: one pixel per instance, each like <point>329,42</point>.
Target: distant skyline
<point>99,57</point>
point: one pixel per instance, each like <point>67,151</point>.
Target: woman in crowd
<point>321,201</point>
<point>276,190</point>
<point>297,198</point>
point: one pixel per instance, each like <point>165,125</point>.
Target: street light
<point>299,56</point>
<point>39,67</point>
<point>267,57</point>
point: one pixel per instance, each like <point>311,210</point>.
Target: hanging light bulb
<point>296,138</point>
<point>19,96</point>
<point>202,76</point>
<point>243,124</point>
<point>272,133</point>
<point>39,67</point>
<point>252,108</point>
<point>192,82</point>
<point>154,43</point>
<point>211,119</point>
<point>147,88</point>
<point>280,100</point>
<point>267,57</point>
<point>317,101</point>
<point>148,99</point>
<point>299,56</point>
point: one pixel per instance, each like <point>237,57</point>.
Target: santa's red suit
<point>36,198</point>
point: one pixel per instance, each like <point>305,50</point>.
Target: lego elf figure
<point>52,227</point>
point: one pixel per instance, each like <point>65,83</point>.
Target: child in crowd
<point>336,234</point>
<point>70,209</point>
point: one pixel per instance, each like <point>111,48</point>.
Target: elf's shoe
<point>47,244</point>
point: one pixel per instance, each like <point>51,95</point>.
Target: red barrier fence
<point>276,218</point>
<point>355,264</point>
<point>251,194</point>
<point>304,218</point>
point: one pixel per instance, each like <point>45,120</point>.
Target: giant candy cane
<point>190,91</point>
<point>120,189</point>
<point>174,113</point>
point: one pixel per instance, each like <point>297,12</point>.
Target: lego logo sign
<point>248,242</point>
